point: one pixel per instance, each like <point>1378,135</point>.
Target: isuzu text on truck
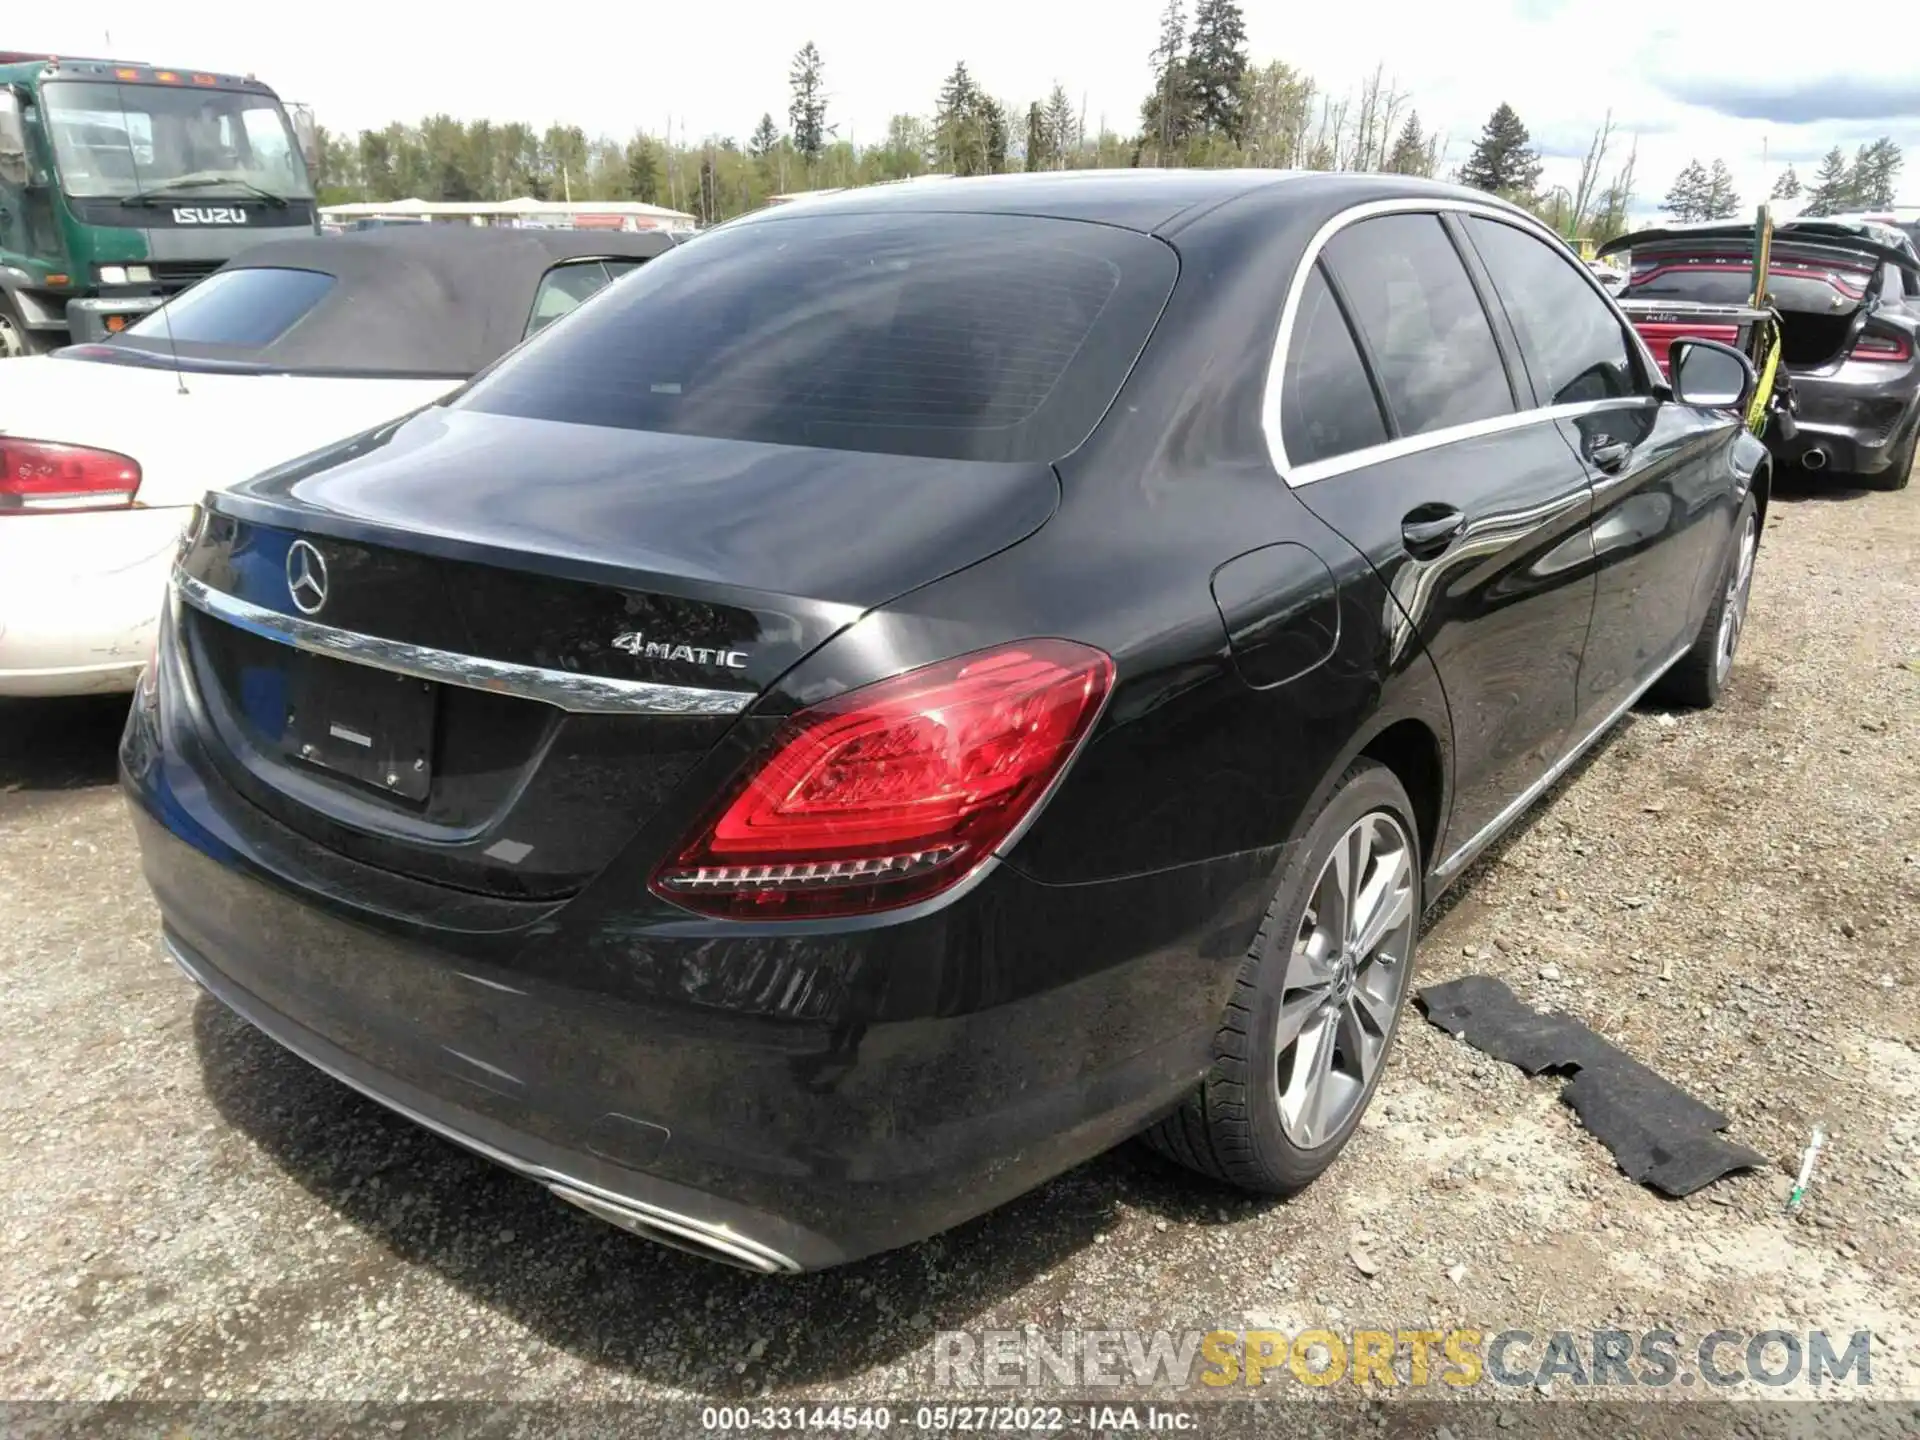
<point>121,184</point>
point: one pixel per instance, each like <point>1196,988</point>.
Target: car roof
<point>420,300</point>
<point>1132,199</point>
<point>1159,202</point>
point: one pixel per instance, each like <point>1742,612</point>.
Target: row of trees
<point>1864,183</point>
<point>1209,104</point>
<point>1504,161</point>
<point>1702,194</point>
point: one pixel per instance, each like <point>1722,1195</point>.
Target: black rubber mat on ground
<point>1661,1135</point>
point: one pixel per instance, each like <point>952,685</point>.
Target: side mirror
<point>13,141</point>
<point>1710,375</point>
<point>304,136</point>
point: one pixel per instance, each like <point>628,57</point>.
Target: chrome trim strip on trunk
<point>581,694</point>
<point>684,1232</point>
<point>1449,868</point>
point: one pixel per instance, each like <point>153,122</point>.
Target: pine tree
<point>1409,155</point>
<point>807,115</point>
<point>1689,198</point>
<point>993,124</point>
<point>1787,187</point>
<point>1503,159</point>
<point>708,197</point>
<point>1039,151</point>
<point>1216,68</point>
<point>1063,129</point>
<point>643,171</point>
<point>1722,200</point>
<point>1831,184</point>
<point>765,137</point>
<point>1167,113</point>
<point>1875,170</point>
<point>959,138</point>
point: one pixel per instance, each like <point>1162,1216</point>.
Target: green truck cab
<point>123,183</point>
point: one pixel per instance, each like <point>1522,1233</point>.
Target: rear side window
<point>1327,405</point>
<point>1574,348</point>
<point>562,288</point>
<point>971,337</point>
<point>1431,342</point>
<point>240,308</point>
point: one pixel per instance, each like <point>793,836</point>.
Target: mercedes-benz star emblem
<point>306,577</point>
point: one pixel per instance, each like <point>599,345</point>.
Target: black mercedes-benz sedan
<point>908,691</point>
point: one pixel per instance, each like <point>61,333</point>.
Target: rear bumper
<point>1858,416</point>
<point>669,1213</point>
<point>781,1099</point>
<point>80,597</point>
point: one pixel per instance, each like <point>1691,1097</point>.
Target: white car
<point>105,449</point>
<point>1611,276</point>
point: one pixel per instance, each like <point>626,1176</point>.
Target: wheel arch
<point>1414,742</point>
<point>1763,489</point>
<point>1752,465</point>
<point>1413,752</point>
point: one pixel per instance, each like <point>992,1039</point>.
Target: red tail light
<point>1889,349</point>
<point>40,475</point>
<point>892,793</point>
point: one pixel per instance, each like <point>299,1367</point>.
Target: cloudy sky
<point>713,67</point>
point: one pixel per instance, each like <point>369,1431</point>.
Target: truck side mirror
<point>13,141</point>
<point>303,133</point>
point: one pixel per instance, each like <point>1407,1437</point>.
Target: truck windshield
<point>116,140</point>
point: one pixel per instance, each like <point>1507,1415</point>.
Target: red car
<point>1847,293</point>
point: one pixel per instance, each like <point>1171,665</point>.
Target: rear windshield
<point>1727,282</point>
<point>244,309</point>
<point>965,337</point>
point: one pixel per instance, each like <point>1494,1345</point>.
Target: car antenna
<point>133,159</point>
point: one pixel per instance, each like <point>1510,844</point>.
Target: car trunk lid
<point>1689,286</point>
<point>482,651</point>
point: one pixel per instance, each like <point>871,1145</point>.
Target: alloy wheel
<point>1345,980</point>
<point>12,343</point>
<point>1733,613</point>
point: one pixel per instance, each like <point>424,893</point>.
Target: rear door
<point>1659,507</point>
<point>1468,505</point>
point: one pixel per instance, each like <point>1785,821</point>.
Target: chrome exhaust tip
<point>678,1232</point>
<point>1814,459</point>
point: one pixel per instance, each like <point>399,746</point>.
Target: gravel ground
<point>186,1211</point>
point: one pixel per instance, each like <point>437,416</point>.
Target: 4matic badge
<point>637,645</point>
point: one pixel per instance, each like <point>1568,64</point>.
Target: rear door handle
<point>1429,529</point>
<point>1608,454</point>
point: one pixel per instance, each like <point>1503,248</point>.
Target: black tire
<point>1697,677</point>
<point>1231,1127</point>
<point>1897,474</point>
